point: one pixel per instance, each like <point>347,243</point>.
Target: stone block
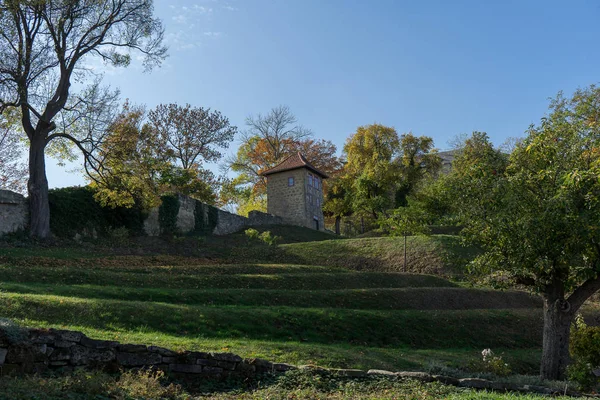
<point>259,364</point>
<point>3,353</point>
<point>212,370</point>
<point>58,363</point>
<point>98,344</point>
<point>20,354</point>
<point>314,368</point>
<point>446,380</point>
<point>226,357</point>
<point>210,363</point>
<point>420,376</point>
<point>70,336</point>
<point>81,355</point>
<point>63,344</point>
<point>199,354</point>
<point>60,354</point>
<point>474,383</point>
<point>226,365</point>
<point>42,337</point>
<point>186,368</point>
<point>247,369</point>
<point>354,373</point>
<point>138,359</point>
<point>381,372</point>
<point>162,351</point>
<point>282,367</point>
<point>132,348</point>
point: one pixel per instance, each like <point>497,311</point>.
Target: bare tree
<point>193,134</point>
<point>267,141</point>
<point>44,47</point>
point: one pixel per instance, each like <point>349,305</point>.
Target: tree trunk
<point>39,209</point>
<point>557,325</point>
<point>338,221</point>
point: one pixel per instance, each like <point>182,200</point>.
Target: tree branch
<point>583,292</point>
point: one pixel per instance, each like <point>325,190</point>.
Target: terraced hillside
<point>303,314</point>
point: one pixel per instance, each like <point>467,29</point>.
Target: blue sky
<point>436,68</point>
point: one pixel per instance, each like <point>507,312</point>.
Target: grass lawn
<point>325,302</point>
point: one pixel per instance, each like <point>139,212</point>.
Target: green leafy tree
<point>434,198</point>
<point>338,201</point>
<point>537,215</point>
<point>139,161</point>
<point>45,46</point>
<point>370,153</point>
<point>418,160</point>
<point>130,166</point>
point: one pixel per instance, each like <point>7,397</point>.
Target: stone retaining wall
<point>44,350</point>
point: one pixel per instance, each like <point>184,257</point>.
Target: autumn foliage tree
<point>268,140</point>
<point>129,166</point>
<point>145,156</point>
<point>371,169</point>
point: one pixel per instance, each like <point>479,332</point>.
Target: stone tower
<point>295,192</point>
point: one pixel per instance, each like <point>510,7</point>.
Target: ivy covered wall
<point>75,213</point>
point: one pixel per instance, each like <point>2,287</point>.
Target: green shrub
<point>491,363</point>
<point>268,238</point>
<point>265,237</point>
<point>585,353</point>
<point>252,233</point>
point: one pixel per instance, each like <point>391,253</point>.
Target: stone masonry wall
<point>14,217</point>
<point>42,350</point>
<point>229,223</point>
<point>13,212</point>
<point>288,200</point>
<point>226,222</point>
<point>314,210</point>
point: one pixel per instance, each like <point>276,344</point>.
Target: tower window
<point>291,181</point>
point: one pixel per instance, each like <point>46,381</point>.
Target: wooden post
<point>404,251</point>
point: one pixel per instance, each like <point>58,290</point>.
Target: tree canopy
<point>146,155</point>
<point>536,213</point>
<point>44,48</point>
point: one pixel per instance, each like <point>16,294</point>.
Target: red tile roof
<point>294,161</point>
